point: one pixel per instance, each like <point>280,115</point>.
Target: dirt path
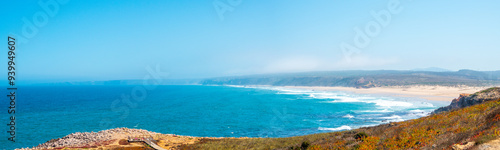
<point>491,145</point>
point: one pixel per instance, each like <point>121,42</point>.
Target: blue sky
<point>106,40</point>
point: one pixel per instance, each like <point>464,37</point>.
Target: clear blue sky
<point>104,40</point>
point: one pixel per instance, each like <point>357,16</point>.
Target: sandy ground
<point>437,93</point>
<point>491,145</point>
<point>166,141</point>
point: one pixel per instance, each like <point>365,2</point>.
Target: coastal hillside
<point>348,78</point>
<point>474,126</point>
<point>461,128</point>
<point>365,79</point>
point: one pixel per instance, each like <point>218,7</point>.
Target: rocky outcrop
<point>465,100</point>
<point>89,139</point>
<point>463,147</point>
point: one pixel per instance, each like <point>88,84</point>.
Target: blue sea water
<point>48,112</point>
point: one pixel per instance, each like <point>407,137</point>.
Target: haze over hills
<point>348,78</point>
<point>433,69</point>
<point>365,79</point>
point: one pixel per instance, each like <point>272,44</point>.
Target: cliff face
<point>465,100</point>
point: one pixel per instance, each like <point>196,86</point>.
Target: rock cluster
<point>83,139</point>
<point>463,147</point>
<point>466,100</point>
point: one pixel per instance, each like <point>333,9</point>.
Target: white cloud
<point>364,62</point>
<point>290,64</point>
<point>293,64</point>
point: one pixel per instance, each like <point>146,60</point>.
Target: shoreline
<point>433,93</point>
<point>114,138</point>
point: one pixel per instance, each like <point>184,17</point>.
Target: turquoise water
<point>49,112</point>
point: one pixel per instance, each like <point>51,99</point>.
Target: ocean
<point>49,112</point>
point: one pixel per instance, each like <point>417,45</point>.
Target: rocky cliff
<point>465,100</point>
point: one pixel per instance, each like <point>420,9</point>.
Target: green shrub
<point>360,136</point>
<point>304,145</point>
<point>485,139</point>
<point>356,146</point>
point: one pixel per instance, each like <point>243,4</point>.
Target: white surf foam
<point>236,86</point>
<point>348,116</point>
<point>339,96</point>
<point>335,129</point>
<point>417,111</point>
<point>378,102</point>
<point>377,111</point>
<point>387,103</point>
<point>393,118</point>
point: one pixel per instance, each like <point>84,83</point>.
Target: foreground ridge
<point>115,139</point>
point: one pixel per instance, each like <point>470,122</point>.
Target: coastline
<point>433,93</point>
<point>114,138</point>
<point>439,131</point>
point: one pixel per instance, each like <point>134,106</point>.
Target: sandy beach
<point>436,93</point>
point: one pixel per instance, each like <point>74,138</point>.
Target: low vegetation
<point>123,142</point>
